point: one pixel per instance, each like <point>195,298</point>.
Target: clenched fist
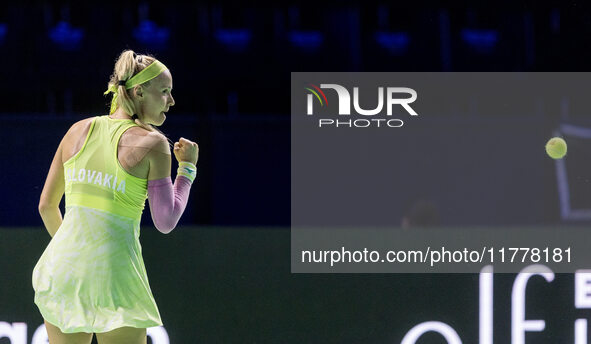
<point>185,150</point>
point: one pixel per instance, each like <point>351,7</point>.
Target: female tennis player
<point>91,277</point>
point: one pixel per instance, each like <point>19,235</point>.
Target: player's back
<point>137,149</point>
<point>102,175</point>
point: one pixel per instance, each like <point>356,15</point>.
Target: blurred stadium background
<point>226,276</point>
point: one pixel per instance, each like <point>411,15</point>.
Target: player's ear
<point>138,91</point>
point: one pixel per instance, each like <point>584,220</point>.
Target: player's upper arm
<point>159,157</point>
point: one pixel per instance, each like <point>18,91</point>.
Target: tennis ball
<point>556,148</point>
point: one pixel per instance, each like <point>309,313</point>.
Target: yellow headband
<point>146,74</point>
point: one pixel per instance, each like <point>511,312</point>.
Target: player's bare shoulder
<point>144,139</point>
<point>158,143</point>
<point>159,156</point>
<point>80,127</point>
<point>74,139</point>
<point>77,133</point>
<point>150,147</point>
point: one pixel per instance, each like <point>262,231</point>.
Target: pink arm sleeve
<point>167,202</point>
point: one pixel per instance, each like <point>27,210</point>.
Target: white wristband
<point>187,169</point>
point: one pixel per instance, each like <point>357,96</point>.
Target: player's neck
<point>120,114</point>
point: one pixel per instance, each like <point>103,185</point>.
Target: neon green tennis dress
<point>91,277</point>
